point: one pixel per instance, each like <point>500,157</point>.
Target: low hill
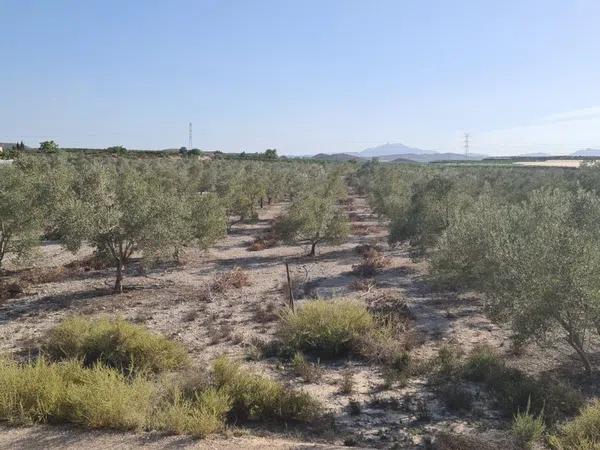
<point>388,149</point>
<point>587,152</point>
<point>337,157</point>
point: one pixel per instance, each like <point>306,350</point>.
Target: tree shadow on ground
<point>64,436</point>
<point>49,303</point>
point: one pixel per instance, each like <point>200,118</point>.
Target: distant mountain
<point>392,149</point>
<point>391,152</point>
<point>534,155</point>
<point>398,153</point>
<point>435,157</point>
<point>587,152</point>
<point>406,157</point>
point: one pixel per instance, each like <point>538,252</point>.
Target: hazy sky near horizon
<point>302,76</point>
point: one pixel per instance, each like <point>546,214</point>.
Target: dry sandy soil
<point>552,163</point>
<point>168,299</point>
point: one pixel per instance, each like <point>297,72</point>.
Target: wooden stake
<point>290,289</point>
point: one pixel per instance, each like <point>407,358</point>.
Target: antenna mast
<point>190,140</point>
<point>466,145</point>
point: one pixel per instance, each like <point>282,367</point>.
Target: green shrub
<point>105,398</point>
<point>114,343</point>
<point>326,327</point>
<point>97,397</point>
<point>581,433</point>
<point>481,364</point>
<point>516,391</point>
<point>448,362</point>
<point>308,371</point>
<point>513,390</point>
<point>201,416</point>
<point>32,393</point>
<point>456,397</point>
<point>527,429</point>
<point>257,397</point>
<point>397,369</point>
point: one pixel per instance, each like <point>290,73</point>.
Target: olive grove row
<point>528,240</point>
<point>154,209</point>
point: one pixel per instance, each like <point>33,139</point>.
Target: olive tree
<point>21,216</point>
<point>208,221</point>
<point>316,216</point>
<point>537,263</point>
<point>49,147</point>
<point>121,211</point>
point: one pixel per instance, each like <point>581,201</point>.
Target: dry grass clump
<point>363,285</point>
<point>326,327</point>
<point>365,249</point>
<point>255,397</point>
<point>306,370</point>
<point>10,289</point>
<point>361,229</point>
<point>391,306</point>
<point>581,433</point>
<point>353,216</point>
<point>205,294</point>
<point>257,245</point>
<point>266,312</point>
<point>259,348</point>
<point>92,262</point>
<point>381,344</point>
<point>451,441</point>
<point>235,278</point>
<point>266,240</point>
<point>347,383</point>
<point>298,286</point>
<point>456,397</point>
<point>57,274</point>
<point>43,275</point>
<point>373,261</point>
<point>115,343</point>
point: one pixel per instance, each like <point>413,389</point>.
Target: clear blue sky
<point>302,76</point>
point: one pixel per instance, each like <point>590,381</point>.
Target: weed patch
<point>115,343</point>
<point>581,433</point>
<point>527,428</point>
<point>513,390</point>
<point>234,279</point>
<point>201,416</point>
<point>255,397</point>
<point>373,261</point>
<point>10,289</point>
<point>326,327</point>
<point>306,370</point>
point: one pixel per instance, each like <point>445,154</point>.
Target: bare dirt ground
<point>171,299</point>
<point>552,163</point>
